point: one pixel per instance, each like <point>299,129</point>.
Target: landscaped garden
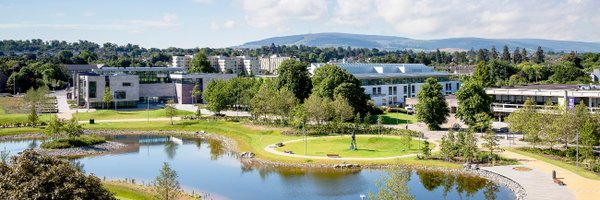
<point>397,118</point>
<point>369,146</point>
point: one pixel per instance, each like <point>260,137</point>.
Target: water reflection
<point>205,166</point>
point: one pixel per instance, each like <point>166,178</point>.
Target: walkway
<point>537,184</point>
<point>192,108</point>
<point>582,188</point>
<point>273,151</point>
<point>134,120</point>
<point>64,112</point>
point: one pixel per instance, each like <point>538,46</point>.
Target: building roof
<point>552,87</point>
<point>385,70</point>
<point>129,69</point>
<point>83,67</point>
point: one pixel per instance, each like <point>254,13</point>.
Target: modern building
<point>270,64</point>
<point>250,65</point>
<point>509,99</point>
<point>391,84</point>
<point>182,61</point>
<point>141,84</point>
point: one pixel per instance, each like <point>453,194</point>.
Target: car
<point>409,110</point>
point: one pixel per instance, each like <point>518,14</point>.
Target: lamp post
<point>148,108</point>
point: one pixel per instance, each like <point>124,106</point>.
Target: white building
<point>509,99</point>
<point>391,84</point>
<point>123,88</point>
<point>250,65</point>
<point>235,65</point>
<point>270,64</point>
<point>182,61</point>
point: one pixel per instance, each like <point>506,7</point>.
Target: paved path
<point>64,112</point>
<point>133,120</point>
<point>582,188</point>
<point>192,108</point>
<point>537,184</point>
<point>273,151</point>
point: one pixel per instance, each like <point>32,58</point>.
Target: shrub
<point>63,143</point>
<point>397,110</point>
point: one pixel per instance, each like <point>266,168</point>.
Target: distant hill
<point>395,43</point>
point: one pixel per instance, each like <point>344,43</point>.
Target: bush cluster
<point>71,142</point>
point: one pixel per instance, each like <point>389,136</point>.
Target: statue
<point>353,143</point>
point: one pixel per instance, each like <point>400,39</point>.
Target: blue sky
<point>222,23</point>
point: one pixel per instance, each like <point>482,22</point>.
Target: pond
<point>204,166</point>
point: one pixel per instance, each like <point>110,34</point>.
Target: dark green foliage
<point>200,64</point>
<point>538,56</point>
<point>329,81</point>
<point>217,96</point>
<point>472,100</point>
<point>166,184</point>
<point>566,71</point>
<point>432,107</point>
<point>33,176</point>
<point>294,76</point>
<point>81,141</point>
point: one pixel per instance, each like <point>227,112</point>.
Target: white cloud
<point>279,14</point>
<point>168,20</point>
<point>354,13</point>
<point>227,24</point>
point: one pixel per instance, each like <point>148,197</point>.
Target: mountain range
<point>399,43</point>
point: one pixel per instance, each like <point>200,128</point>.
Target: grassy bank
<point>579,171</point>
<point>368,146</point>
<point>20,130</point>
<point>71,142</point>
<point>128,191</point>
<point>136,114</point>
<point>253,139</point>
<point>20,118</point>
<point>396,118</point>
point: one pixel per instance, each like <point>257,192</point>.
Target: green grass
<point>579,171</point>
<point>396,118</point>
<point>137,114</point>
<point>20,118</point>
<point>19,130</point>
<point>81,141</point>
<point>126,191</point>
<point>371,146</point>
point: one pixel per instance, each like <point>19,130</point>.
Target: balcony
<point>508,108</point>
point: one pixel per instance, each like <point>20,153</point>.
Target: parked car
<point>409,110</point>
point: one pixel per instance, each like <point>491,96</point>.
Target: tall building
<point>391,84</point>
<point>235,65</point>
<point>250,65</point>
<point>270,64</point>
<point>182,61</point>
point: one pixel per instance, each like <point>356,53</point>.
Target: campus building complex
<point>131,85</point>
<point>509,99</point>
<point>269,65</point>
<point>391,84</point>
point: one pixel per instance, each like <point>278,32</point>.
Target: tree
<point>526,120</point>
<point>494,53</point>
<point>490,142</point>
<point>107,98</point>
<point>483,122</point>
<point>517,59</point>
<point>432,107</point>
<point>469,148</point>
<point>342,108</point>
<point>394,186</point>
<point>55,125</point>
<point>329,81</point>
<point>426,149</point>
<point>170,110</point>
<point>482,74</point>
<point>538,56</point>
<point>198,113</point>
<point>588,139</point>
<point>72,128</point>
<point>506,54</point>
<point>196,91</point>
<point>294,76</point>
<point>166,184</point>
<point>472,100</point>
<point>566,71</point>
<point>33,117</point>
<point>217,96</point>
<point>447,145</point>
<point>200,64</point>
<point>318,109</point>
<point>30,175</point>
<point>524,55</point>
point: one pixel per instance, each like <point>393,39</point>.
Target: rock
<point>247,155</point>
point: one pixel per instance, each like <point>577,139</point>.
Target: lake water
<point>203,166</point>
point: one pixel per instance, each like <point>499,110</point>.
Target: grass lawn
<point>20,130</point>
<point>128,191</point>
<point>11,105</point>
<point>253,139</point>
<point>20,118</point>
<point>137,114</point>
<point>579,171</point>
<point>369,146</point>
<point>396,118</point>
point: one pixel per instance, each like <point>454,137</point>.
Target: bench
<point>559,182</point>
<point>332,155</point>
<point>288,151</point>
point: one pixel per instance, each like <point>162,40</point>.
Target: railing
<point>504,107</point>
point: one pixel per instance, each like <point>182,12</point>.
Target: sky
<point>224,23</point>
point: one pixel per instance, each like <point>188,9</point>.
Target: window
<point>92,89</point>
<point>126,84</point>
<point>413,89</point>
<point>120,95</point>
<point>405,89</point>
<point>449,86</point>
<point>374,91</point>
<point>457,86</point>
<point>379,90</point>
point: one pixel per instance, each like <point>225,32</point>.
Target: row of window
<point>392,81</point>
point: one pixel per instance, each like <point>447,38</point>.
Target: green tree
<point>330,81</point>
<point>55,125</point>
<point>170,110</point>
<point>483,122</point>
<point>198,113</point>
<point>196,92</point>
<point>342,108</point>
<point>506,54</point>
<point>469,149</point>
<point>33,117</point>
<point>261,104</point>
<point>217,96</point>
<point>490,142</point>
<point>166,184</point>
<point>318,109</point>
<point>432,107</point>
<point>482,75</point>
<point>448,145</point>
<point>283,102</point>
<point>426,149</point>
<point>30,175</point>
<point>566,72</point>
<point>200,64</point>
<point>107,98</point>
<point>394,186</point>
<point>538,56</point>
<point>72,128</point>
<point>472,100</point>
<point>294,76</point>
<point>517,59</point>
<point>528,121</point>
